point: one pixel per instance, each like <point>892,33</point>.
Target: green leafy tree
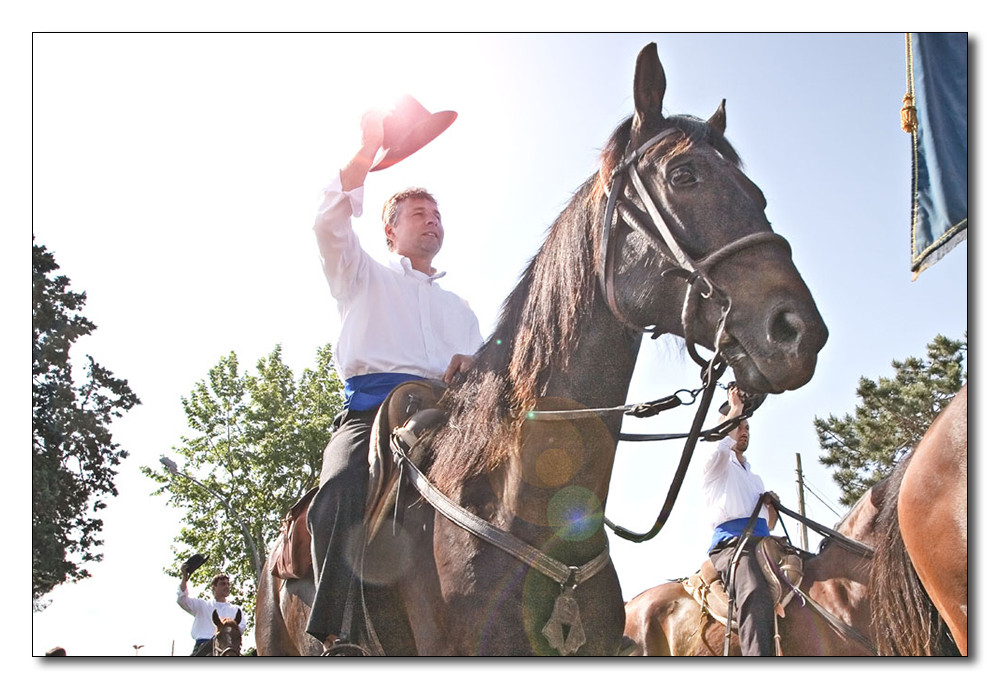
<point>256,448</point>
<point>73,457</point>
<point>893,416</point>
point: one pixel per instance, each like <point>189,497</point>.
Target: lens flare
<point>575,513</point>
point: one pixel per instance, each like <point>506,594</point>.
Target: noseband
<point>666,227</point>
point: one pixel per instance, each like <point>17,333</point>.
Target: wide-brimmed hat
<point>408,128</point>
<point>194,562</point>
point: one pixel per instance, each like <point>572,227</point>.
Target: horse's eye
<point>682,177</point>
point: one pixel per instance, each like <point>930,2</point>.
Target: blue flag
<point>937,79</point>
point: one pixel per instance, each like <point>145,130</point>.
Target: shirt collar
<point>401,264</point>
<point>736,460</point>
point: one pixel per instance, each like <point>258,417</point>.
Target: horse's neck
<point>563,467</point>
<point>600,369</point>
<point>859,523</point>
<point>838,578</point>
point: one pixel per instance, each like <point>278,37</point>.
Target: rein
<point>856,547</point>
<point>711,372</point>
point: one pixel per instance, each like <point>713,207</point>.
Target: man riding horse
<point>397,324</point>
<point>731,492</point>
<point>203,629</point>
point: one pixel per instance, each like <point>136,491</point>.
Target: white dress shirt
<point>203,627</point>
<point>394,319</point>
<point>731,489</point>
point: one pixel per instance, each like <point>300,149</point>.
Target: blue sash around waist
<point>734,529</point>
<point>363,393</point>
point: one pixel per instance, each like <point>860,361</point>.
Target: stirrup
<point>346,649</point>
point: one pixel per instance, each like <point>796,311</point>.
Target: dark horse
<point>862,591</point>
<point>933,526</point>
<point>567,339</point>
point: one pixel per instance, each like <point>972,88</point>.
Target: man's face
<point>220,589</point>
<point>741,434</point>
<point>418,232</point>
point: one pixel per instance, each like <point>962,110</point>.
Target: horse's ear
<point>215,618</point>
<point>648,89</point>
<point>239,616</point>
<point>718,119</point>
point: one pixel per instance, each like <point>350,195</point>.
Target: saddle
<point>778,559</point>
<point>291,557</point>
<point>410,412</point>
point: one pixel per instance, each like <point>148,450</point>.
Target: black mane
<point>538,325</point>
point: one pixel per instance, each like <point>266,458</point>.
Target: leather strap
<point>565,575</point>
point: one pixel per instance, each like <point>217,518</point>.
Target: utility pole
<point>802,501</point>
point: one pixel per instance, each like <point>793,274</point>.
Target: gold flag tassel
<point>908,115</point>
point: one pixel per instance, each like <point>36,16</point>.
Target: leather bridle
<point>663,228</point>
<point>219,650</point>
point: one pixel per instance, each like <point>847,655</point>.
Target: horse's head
<point>696,217</point>
<point>228,639</point>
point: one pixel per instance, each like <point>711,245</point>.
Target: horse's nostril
<point>785,328</point>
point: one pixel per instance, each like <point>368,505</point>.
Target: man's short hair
<point>218,577</point>
<point>390,211</point>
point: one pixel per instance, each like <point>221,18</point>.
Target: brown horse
<point>876,594</point>
<point>666,621</point>
<point>228,638</point>
<point>503,550</point>
<point>933,523</point>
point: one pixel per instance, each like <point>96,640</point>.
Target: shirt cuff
<point>356,196</point>
<point>727,443</point>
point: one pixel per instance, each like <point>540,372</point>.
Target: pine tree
<point>893,416</point>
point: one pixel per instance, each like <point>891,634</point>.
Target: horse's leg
<point>933,515</point>
<point>296,600</point>
<point>666,621</point>
<point>712,639</point>
<point>269,626</point>
<point>645,626</point>
<point>401,600</point>
<point>425,607</point>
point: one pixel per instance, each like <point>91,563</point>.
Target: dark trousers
<point>336,521</point>
<point>754,607</point>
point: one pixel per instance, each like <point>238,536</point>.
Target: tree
<point>257,447</point>
<point>893,416</point>
<point>73,456</point>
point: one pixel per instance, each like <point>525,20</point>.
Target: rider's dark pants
<point>336,522</point>
<point>754,607</point>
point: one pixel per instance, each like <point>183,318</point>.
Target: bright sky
<point>176,177</point>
